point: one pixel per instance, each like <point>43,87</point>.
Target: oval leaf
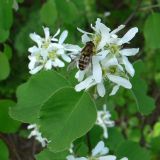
<point>10,124</point>
<point>48,155</point>
<point>144,103</point>
<point>152,32</point>
<point>48,13</point>
<point>4,66</point>
<point>66,116</point>
<point>4,153</point>
<point>34,93</point>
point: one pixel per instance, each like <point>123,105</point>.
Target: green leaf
<point>4,66</point>
<point>156,130</point>
<point>48,155</point>
<point>4,154</point>
<point>10,124</point>
<point>115,138</point>
<point>48,13</point>
<point>8,51</point>
<point>66,115</point>
<point>132,151</point>
<point>155,143</point>
<point>6,19</point>
<point>32,94</point>
<point>152,32</point>
<point>67,10</point>
<point>22,40</point>
<point>145,103</point>
<point>6,16</point>
<point>4,35</point>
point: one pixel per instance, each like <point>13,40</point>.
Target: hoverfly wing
<point>73,64</point>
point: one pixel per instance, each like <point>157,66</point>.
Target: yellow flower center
<point>112,70</point>
<point>92,158</point>
<point>96,39</point>
<point>46,43</point>
<point>52,55</point>
<point>113,48</point>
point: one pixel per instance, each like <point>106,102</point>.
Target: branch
<point>133,13</point>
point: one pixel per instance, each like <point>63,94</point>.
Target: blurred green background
<point>139,125</point>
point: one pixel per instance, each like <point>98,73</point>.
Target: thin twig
<point>149,7</point>
<point>89,142</point>
<point>133,13</point>
<point>10,145</point>
<point>14,149</point>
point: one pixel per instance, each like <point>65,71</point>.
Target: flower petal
<point>80,75</point>
<point>48,65</point>
<point>128,36</point>
<point>36,38</point>
<point>108,157</point>
<point>59,62</point>
<point>84,84</point>
<point>85,38</point>
<point>57,46</point>
<point>46,32</point>
<point>117,29</point>
<point>105,132</point>
<point>57,33</point>
<point>54,64</point>
<point>82,31</point>
<point>63,36</point>
<point>114,90</point>
<point>101,55</point>
<point>75,49</point>
<point>104,31</point>
<point>97,71</point>
<point>33,49</point>
<point>70,157</point>
<point>100,27</point>
<point>101,89</point>
<point>110,62</point>
<point>35,70</point>
<point>98,148</point>
<point>129,51</point>
<point>128,66</point>
<point>66,58</point>
<point>124,158</point>
<point>120,81</point>
<point>32,62</point>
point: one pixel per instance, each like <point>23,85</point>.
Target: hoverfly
<point>85,57</point>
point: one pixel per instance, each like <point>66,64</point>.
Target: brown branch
<point>133,13</point>
<point>89,142</point>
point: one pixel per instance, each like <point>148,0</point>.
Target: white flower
<point>109,61</point>
<point>107,13</point>
<point>107,69</point>
<point>71,148</point>
<point>71,157</point>
<point>98,153</point>
<point>50,52</point>
<point>103,120</point>
<point>38,136</point>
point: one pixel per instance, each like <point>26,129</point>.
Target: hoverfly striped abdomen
<point>86,55</point>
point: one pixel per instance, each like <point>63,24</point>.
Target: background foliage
<point>136,112</point>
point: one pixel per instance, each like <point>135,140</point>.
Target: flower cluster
<point>98,153</point>
<point>38,136</point>
<point>49,52</point>
<point>103,120</point>
<point>109,61</point>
